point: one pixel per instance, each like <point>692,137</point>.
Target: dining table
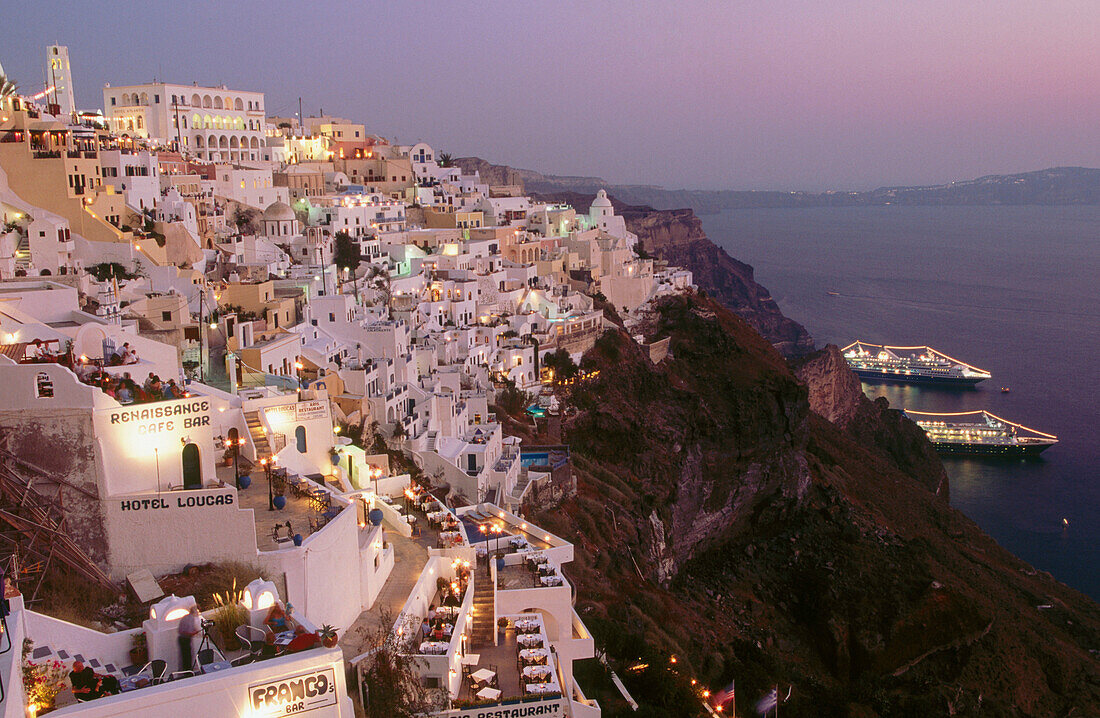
<point>534,655</point>
<point>530,640</point>
<point>550,580</point>
<point>434,648</point>
<point>132,683</point>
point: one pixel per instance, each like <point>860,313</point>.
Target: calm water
<point>1014,290</point>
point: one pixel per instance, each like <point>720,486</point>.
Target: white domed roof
<point>279,212</point>
<point>601,199</point>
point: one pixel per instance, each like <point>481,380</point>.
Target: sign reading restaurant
<point>554,708</point>
<point>296,694</point>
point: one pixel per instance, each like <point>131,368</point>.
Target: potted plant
<point>228,615</point>
<point>139,650</point>
<point>502,626</point>
<point>227,457</point>
<point>328,636</point>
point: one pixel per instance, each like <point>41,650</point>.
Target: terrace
<point>221,661</point>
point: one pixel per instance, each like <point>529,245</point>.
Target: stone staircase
<point>23,254</point>
<point>484,626</point>
<point>432,437</point>
<point>259,438</point>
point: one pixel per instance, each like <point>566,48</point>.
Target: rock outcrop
<point>837,395</point>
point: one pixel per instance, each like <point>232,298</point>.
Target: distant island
<point>1055,186</point>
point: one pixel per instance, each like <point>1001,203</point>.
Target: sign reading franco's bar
<point>553,708</point>
<point>297,694</point>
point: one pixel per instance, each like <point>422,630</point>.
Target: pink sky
<point>738,94</point>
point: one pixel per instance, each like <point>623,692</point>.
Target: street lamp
<point>236,459</point>
<point>408,495</point>
<point>270,489</point>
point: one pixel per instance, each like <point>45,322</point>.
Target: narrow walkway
<point>410,555</point>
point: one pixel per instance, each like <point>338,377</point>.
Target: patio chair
<point>157,669</point>
<point>207,656</point>
<point>252,639</point>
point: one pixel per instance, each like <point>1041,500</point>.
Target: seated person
<point>277,620</point>
<point>88,685</point>
<point>425,630</point>
<point>303,640</point>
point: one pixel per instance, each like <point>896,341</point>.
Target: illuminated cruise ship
<point>979,433</point>
<point>910,365</point>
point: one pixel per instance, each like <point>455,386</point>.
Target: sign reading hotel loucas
<point>180,500</point>
<point>296,694</point>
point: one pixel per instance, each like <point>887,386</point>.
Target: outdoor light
<point>171,608</point>
<point>259,595</point>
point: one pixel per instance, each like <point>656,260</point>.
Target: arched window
<point>196,101</point>
<point>300,438</point>
<point>196,122</point>
<point>238,105</point>
<point>192,467</point>
<point>206,101</point>
<point>217,103</point>
<point>139,122</point>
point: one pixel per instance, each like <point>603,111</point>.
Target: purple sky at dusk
<point>775,94</point>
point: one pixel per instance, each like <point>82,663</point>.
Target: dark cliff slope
<point>677,236</point>
<point>721,520</point>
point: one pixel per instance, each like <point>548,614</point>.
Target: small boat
<point>833,294</point>
<point>1005,390</point>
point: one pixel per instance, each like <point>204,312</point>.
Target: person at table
<point>188,628</point>
<point>88,685</point>
<point>431,612</point>
<point>437,632</point>
<point>277,620</point>
<point>303,640</point>
<point>425,630</point>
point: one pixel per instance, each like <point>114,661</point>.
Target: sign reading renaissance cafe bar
<point>295,694</point>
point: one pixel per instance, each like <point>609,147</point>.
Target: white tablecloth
<point>550,580</point>
<point>551,687</point>
<point>536,671</point>
<point>528,625</point>
<point>527,654</point>
<point>434,647</point>
<point>529,640</point>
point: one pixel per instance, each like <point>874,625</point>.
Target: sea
<point>1013,290</point>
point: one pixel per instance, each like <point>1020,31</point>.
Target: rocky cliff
<point>723,522</point>
<point>677,236</point>
<point>836,395</point>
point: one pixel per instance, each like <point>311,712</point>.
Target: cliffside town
<point>471,450</point>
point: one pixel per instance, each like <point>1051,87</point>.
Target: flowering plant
<point>42,680</point>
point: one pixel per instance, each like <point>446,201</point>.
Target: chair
<point>157,669</point>
<point>252,639</point>
<point>207,656</point>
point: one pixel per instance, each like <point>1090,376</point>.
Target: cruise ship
<point>979,433</point>
<point>910,365</point>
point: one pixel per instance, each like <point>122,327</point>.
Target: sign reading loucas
<point>295,694</point>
